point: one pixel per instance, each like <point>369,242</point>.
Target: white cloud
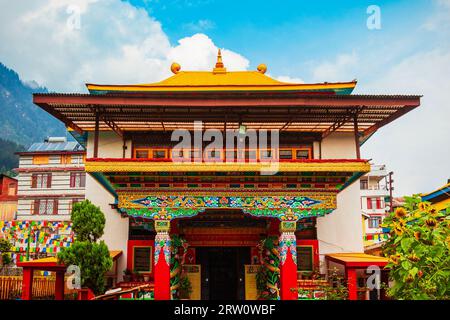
<point>200,53</point>
<point>201,25</point>
<point>343,66</point>
<point>116,43</point>
<point>416,146</point>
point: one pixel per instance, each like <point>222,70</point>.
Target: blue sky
<point>288,34</point>
<point>64,44</point>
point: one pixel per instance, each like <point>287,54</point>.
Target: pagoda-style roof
<point>185,81</point>
<point>224,100</point>
<point>219,79</point>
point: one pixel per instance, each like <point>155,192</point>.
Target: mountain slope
<point>8,159</point>
<point>20,120</point>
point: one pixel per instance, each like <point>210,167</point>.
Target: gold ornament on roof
<point>219,68</point>
<point>262,68</point>
<point>175,67</point>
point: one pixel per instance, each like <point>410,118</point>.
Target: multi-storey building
<point>51,179</point>
<point>375,201</point>
<point>223,201</point>
<point>8,197</point>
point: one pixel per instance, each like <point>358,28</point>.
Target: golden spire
<point>219,68</point>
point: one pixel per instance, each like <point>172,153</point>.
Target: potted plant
<point>185,288</point>
<point>126,275</point>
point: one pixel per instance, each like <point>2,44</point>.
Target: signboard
<point>251,292</point>
<point>142,259</point>
<point>193,273</point>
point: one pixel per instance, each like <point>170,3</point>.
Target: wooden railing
<point>43,288</point>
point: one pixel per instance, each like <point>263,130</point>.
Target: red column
<point>59,285</point>
<point>27,283</point>
<point>162,260</point>
<point>352,284</point>
<point>288,261</point>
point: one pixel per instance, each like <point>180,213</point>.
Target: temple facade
<point>222,205</point>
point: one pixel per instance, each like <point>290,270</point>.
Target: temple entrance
<point>223,272</point>
<point>222,242</point>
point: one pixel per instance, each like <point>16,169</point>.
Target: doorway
<point>223,272</point>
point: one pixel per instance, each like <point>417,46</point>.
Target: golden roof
<point>219,79</point>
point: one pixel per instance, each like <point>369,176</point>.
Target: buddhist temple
<point>217,214</point>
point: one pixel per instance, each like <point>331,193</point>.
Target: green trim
<point>353,178</point>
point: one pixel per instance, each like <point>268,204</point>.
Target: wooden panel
<point>40,159</point>
<point>142,259</point>
<point>305,258</point>
<point>193,273</point>
<point>250,281</point>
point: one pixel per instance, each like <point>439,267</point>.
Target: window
<point>141,154</point>
<point>250,155</point>
<point>286,154</point>
<point>11,189</point>
<point>66,159</point>
<point>302,154</point>
<point>378,201</point>
<point>177,154</point>
<point>374,222</point>
<point>77,179</point>
<point>72,202</point>
<point>364,185</point>
<point>265,154</point>
<point>305,258</point>
<point>45,206</point>
<point>231,155</point>
<point>213,154</point>
<point>142,259</point>
<point>159,154</point>
<point>195,154</point>
<point>40,159</point>
<point>374,203</point>
<point>41,180</point>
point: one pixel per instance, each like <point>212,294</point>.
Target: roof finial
<point>219,68</point>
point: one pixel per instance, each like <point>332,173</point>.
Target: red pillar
<point>27,283</point>
<point>288,261</point>
<point>162,260</point>
<point>59,285</point>
<point>352,284</point>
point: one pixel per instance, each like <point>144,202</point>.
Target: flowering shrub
<point>419,251</point>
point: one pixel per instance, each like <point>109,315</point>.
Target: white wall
<point>341,230</point>
<point>116,227</point>
<point>60,186</point>
<point>339,145</point>
<point>109,145</point>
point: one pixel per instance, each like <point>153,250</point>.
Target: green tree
<point>88,221</point>
<point>419,251</point>
<point>90,256</point>
<point>5,256</point>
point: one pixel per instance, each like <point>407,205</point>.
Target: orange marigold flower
<point>400,212</point>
